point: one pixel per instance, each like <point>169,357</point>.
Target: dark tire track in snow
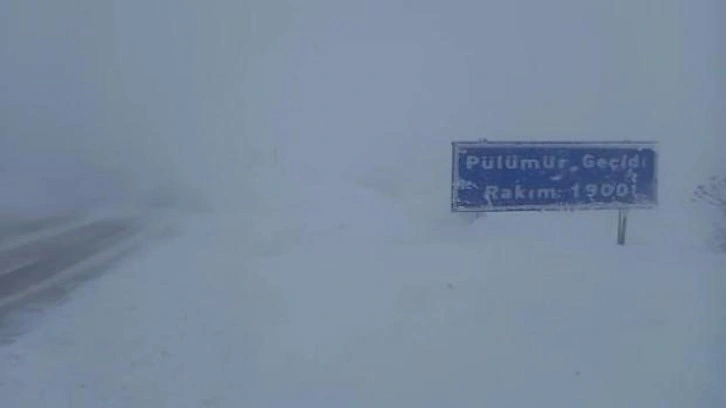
<point>23,267</point>
<point>46,271</point>
<point>14,227</point>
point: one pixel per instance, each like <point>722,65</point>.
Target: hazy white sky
<point>202,92</point>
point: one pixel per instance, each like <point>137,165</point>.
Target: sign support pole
<point>622,225</point>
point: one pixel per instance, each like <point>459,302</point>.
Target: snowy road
<point>41,260</point>
<point>346,321</point>
<point>28,265</point>
<point>14,227</point>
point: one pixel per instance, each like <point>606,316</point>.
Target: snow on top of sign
<point>561,143</point>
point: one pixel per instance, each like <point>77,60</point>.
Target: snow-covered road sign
<point>535,176</point>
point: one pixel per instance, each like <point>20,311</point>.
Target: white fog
<point>262,190</point>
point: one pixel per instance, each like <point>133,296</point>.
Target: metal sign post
<point>622,225</point>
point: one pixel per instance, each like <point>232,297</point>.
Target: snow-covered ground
<point>328,271</point>
<point>384,309</point>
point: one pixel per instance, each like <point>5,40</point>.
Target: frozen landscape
<point>247,204</point>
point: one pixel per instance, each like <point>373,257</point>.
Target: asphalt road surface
<point>41,271</point>
<point>12,227</point>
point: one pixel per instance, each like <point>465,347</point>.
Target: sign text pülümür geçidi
<point>550,162</point>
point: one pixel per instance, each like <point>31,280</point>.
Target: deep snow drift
<point>361,308</point>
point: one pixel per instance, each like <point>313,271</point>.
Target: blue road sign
<point>512,176</point>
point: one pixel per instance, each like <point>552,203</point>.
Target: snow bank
<point>493,324</point>
<point>515,314</point>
